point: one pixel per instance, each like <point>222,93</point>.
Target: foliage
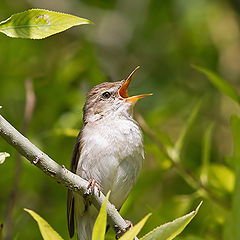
<point>39,23</point>
<point>130,234</point>
<point>46,230</point>
<point>100,225</point>
<point>170,230</point>
<point>220,84</point>
<point>233,230</point>
<point>165,232</point>
<point>164,38</point>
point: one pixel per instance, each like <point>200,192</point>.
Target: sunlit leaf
<point>39,23</point>
<point>222,85</point>
<point>48,233</point>
<point>153,151</point>
<point>99,228</point>
<point>206,153</point>
<point>221,177</point>
<point>170,230</point>
<point>130,234</point>
<point>68,132</point>
<point>3,156</point>
<point>181,139</point>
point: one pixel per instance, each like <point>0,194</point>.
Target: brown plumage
<point>108,149</point>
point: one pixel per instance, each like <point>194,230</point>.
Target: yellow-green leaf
<point>181,139</point>
<point>221,177</point>
<point>233,224</point>
<point>135,230</point>
<point>3,156</point>
<point>235,123</point>
<point>39,23</point>
<point>68,132</point>
<point>99,228</point>
<point>222,85</point>
<point>170,230</point>
<point>206,153</point>
<point>48,233</point>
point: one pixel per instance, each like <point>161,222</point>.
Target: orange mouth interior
<point>123,89</point>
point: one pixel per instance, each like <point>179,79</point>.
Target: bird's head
<point>110,99</point>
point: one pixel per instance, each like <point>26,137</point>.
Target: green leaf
<point>233,225</point>
<point>206,153</point>
<point>221,177</point>
<point>130,234</point>
<point>170,230</point>
<point>235,123</point>
<point>222,85</point>
<point>99,228</point>
<point>3,156</point>
<point>39,23</point>
<point>68,132</point>
<point>48,233</point>
<point>181,139</point>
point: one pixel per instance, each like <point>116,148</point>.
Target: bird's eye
<point>106,94</point>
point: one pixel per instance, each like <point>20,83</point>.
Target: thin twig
<point>54,170</point>
<point>185,173</point>
<point>13,196</point>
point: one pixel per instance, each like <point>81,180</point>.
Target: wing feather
<point>70,199</point>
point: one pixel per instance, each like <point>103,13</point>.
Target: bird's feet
<point>121,231</point>
<point>90,188</point>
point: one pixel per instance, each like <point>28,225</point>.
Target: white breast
<point>112,154</point>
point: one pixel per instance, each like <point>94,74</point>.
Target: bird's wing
<point>70,200</point>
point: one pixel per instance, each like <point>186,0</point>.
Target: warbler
<point>109,150</point>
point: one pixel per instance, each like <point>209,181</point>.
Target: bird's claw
<point>121,231</point>
<point>90,188</point>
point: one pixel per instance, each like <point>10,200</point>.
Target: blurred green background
<point>164,38</point>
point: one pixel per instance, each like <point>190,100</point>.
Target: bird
<point>109,150</point>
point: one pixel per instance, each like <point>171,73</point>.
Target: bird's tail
<point>85,223</point>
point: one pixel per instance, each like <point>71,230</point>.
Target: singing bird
<point>109,150</point>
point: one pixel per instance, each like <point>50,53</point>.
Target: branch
<point>13,197</point>
<point>54,170</point>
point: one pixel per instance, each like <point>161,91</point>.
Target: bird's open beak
<point>122,92</point>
